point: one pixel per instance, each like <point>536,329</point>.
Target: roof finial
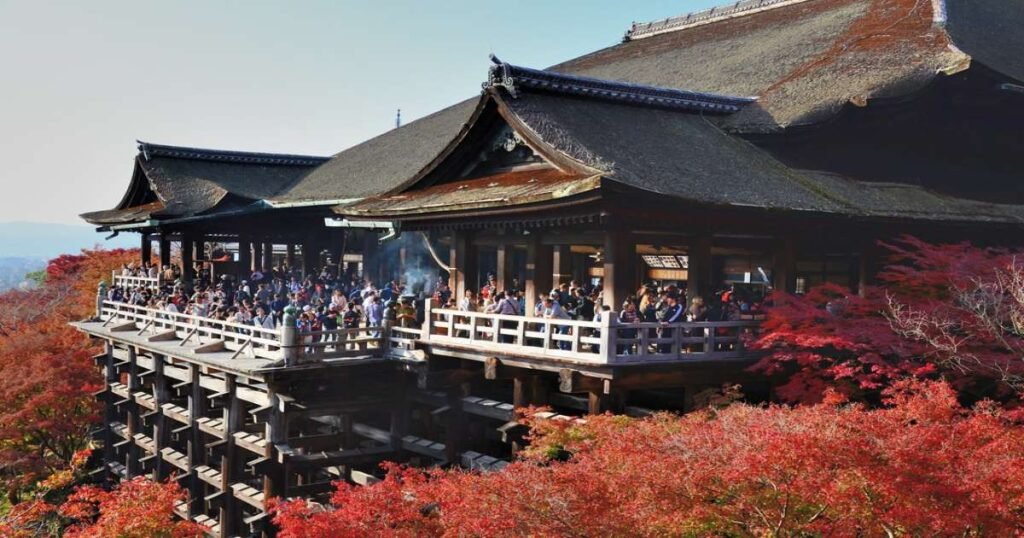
<point>398,119</point>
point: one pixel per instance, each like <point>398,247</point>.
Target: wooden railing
<point>607,342</point>
<point>212,335</point>
<point>604,342</point>
<point>152,283</point>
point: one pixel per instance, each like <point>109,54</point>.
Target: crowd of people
<point>329,300</point>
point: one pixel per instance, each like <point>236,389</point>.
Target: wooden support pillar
<point>464,259</point>
<point>596,402</point>
<point>257,257</point>
<point>870,260</point>
<point>245,256</point>
<point>134,422</point>
<point>539,272</point>
<point>161,428</point>
<point>455,426</point>
<point>561,265</point>
<point>109,411</point>
<point>147,248</point>
<point>188,272</point>
<point>310,256</point>
<point>400,412</point>
<point>289,256</point>
<point>371,257</point>
<point>620,268</point>
<point>165,250</point>
<point>196,448</point>
<point>230,461</point>
<point>276,432</point>
<point>268,256</point>
<point>784,270</point>
<point>506,267</point>
<point>699,282</point>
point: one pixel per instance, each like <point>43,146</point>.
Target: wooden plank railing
<point>607,342</point>
<point>241,339</point>
<point>604,342</point>
<point>151,283</point>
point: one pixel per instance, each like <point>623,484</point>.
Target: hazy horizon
<point>83,81</point>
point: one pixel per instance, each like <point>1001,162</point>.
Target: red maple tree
<point>46,402</point>
<point>938,310</point>
<point>921,465</point>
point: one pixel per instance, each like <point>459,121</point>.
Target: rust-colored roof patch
<point>498,190</point>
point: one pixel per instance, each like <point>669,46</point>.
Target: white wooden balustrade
<point>604,342</point>
<point>607,342</point>
<point>130,282</point>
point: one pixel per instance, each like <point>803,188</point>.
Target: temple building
<point>764,145</point>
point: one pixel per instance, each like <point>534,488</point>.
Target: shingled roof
<point>675,153</point>
<point>178,182</point>
<point>805,59</point>
<point>658,111</point>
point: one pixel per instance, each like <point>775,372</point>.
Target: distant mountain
<point>45,240</point>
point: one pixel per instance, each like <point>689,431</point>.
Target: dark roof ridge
<point>515,78</point>
<point>707,16</point>
<point>149,150</point>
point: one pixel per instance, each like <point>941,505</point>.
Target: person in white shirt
<point>338,301</point>
<point>263,320</point>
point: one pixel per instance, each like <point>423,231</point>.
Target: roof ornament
<point>144,148</point>
<point>500,76</point>
<point>698,18</point>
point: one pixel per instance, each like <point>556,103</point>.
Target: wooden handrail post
<point>609,336</point>
<point>385,336</point>
<point>290,337</point>
<point>101,295</point>
<point>428,304</point>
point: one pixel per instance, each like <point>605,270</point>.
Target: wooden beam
<point>572,381</point>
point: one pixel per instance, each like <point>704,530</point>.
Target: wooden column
<point>289,256</point>
<point>561,262</point>
<point>505,267</point>
<point>455,426</point>
<point>245,256</point>
<point>371,257</point>
<point>230,461</point>
<point>620,268</point>
<point>134,422</point>
<point>784,270</point>
<point>276,431</point>
<point>165,250</point>
<point>465,260</point>
<point>147,248</point>
<point>161,428</point>
<point>310,256</point>
<point>870,260</point>
<point>109,411</point>
<point>257,256</point>
<point>188,273</point>
<point>268,256</point>
<point>539,258</point>
<point>699,281</point>
<point>196,447</point>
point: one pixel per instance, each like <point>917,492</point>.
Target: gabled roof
<point>171,182</point>
<point>681,154</point>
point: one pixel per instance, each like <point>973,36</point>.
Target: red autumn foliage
<point>46,402</point>
<point>137,508</point>
<point>920,465</point>
<point>931,315</point>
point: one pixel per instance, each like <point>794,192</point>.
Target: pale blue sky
<point>81,81</point>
